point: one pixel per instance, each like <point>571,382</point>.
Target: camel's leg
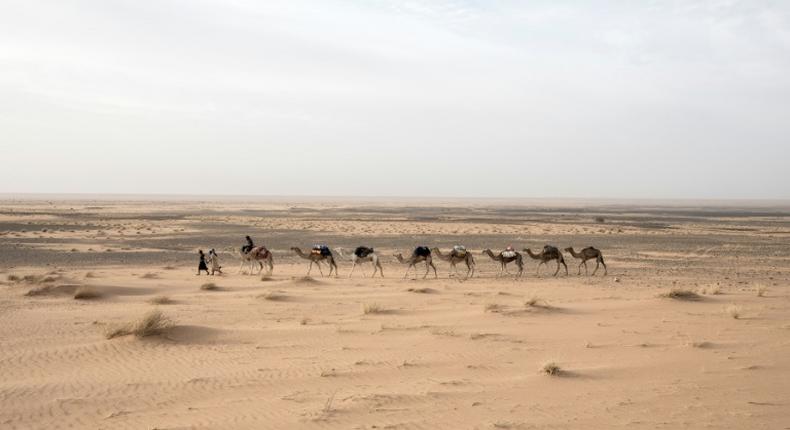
<point>310,268</point>
<point>240,266</point>
<point>435,274</point>
<point>427,269</point>
<point>537,271</point>
<point>353,265</point>
<point>260,269</point>
<point>562,260</point>
<point>558,268</point>
<point>381,270</point>
<point>605,269</point>
<point>586,271</point>
<point>334,265</point>
<point>318,264</point>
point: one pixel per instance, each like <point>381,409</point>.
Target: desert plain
<point>690,328</point>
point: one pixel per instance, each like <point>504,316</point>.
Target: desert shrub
<point>160,300</point>
<point>551,368</point>
<point>734,311</point>
<point>209,286</point>
<point>86,293</point>
<point>153,323</point>
<point>680,294</point>
<point>372,308</point>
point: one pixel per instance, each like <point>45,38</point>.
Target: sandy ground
<point>290,351</point>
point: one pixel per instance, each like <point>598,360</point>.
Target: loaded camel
<point>420,254</point>
<point>259,255</point>
<point>323,254</point>
<point>588,253</point>
<point>549,253</point>
<point>362,255</point>
<point>505,260</point>
<point>457,255</point>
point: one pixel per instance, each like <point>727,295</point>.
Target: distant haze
<point>642,99</point>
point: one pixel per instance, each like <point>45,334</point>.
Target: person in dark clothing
<point>202,265</point>
<point>248,247</point>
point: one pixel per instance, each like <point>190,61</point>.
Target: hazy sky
<point>664,99</point>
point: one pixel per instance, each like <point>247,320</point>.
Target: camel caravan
<point>252,256</point>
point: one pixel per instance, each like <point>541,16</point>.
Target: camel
<point>317,259</point>
<point>549,253</point>
<point>260,255</point>
<point>504,261</point>
<point>421,253</point>
<point>454,258</point>
<point>362,255</point>
<point>588,253</point>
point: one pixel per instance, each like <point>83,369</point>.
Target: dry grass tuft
<point>710,290</point>
<point>86,293</point>
<point>161,300</point>
<point>273,296</point>
<point>209,286</point>
<point>38,291</point>
<point>761,290</point>
<point>551,368</point>
<point>422,290</point>
<point>700,344</point>
<point>149,276</point>
<point>733,311</point>
<point>153,323</point>
<point>372,308</point>
<point>535,302</point>
<point>492,307</point>
<point>680,294</point>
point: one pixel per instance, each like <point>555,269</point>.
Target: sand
<point>290,351</point>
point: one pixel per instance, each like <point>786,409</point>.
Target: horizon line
<point>41,196</point>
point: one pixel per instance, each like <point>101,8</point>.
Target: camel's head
<point>527,250</point>
<point>485,251</point>
<point>294,249</point>
<point>569,249</point>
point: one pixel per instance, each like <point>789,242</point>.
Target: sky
<point>454,98</point>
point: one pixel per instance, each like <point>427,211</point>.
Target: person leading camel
<point>213,260</point>
<point>202,264</point>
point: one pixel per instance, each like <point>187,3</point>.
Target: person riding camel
<point>248,247</point>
